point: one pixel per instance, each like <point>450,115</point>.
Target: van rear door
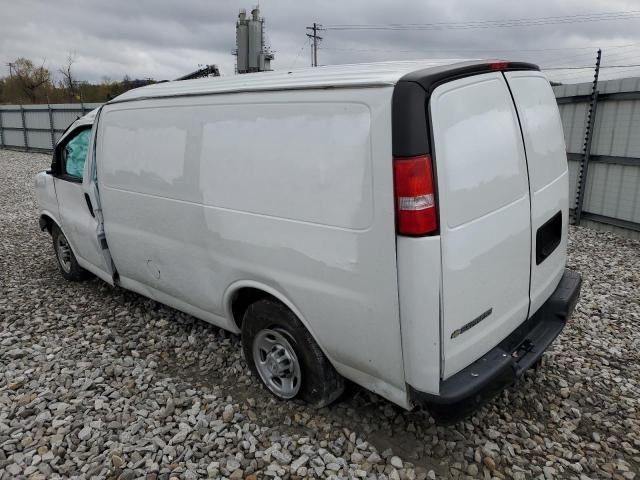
<point>484,207</point>
<point>549,180</point>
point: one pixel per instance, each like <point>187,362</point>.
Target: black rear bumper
<point>504,364</point>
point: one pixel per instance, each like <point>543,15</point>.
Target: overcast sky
<point>165,39</point>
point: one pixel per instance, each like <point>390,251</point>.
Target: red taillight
<point>415,195</point>
<point>497,66</point>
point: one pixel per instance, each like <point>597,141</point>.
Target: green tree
<point>30,81</point>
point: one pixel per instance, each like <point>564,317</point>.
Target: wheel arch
<point>239,295</point>
<point>237,299</point>
<point>47,221</point>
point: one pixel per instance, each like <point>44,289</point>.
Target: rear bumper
<point>504,364</point>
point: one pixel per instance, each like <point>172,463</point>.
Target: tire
<point>271,331</point>
<point>67,262</point>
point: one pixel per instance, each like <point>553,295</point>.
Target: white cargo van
<point>401,225</point>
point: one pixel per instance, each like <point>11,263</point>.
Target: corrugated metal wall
<point>37,127</point>
<point>612,193</point>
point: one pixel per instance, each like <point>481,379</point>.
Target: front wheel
<point>67,262</point>
<point>285,357</point>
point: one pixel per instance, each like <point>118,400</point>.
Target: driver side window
<point>74,154</point>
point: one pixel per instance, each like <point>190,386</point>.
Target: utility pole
<point>316,41</point>
<point>583,165</point>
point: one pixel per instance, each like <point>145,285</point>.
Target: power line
<point>573,77</point>
<point>559,49</point>
<point>573,73</point>
<point>563,59</point>
<point>552,57</point>
<point>504,23</point>
<point>616,58</point>
<point>622,70</point>
<point>588,67</point>
<point>549,67</point>
<point>620,57</point>
<point>297,56</point>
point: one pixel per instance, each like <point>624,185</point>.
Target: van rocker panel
<point>504,364</point>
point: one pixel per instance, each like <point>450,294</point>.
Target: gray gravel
<point>99,382</point>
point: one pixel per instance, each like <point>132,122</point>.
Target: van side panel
<point>241,169</point>
<point>276,187</point>
<point>484,216</point>
<point>548,172</point>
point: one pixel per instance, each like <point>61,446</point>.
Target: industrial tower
<point>252,53</point>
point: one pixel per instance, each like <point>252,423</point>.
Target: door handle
<point>86,197</point>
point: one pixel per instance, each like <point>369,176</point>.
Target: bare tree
<point>68,81</point>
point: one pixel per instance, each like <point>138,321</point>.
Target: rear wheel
<point>67,262</point>
<point>285,357</point>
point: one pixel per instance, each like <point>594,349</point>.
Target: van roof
<point>363,74</point>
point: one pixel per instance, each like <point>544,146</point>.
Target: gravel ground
<point>99,382</point>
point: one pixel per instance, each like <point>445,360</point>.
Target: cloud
<point>165,39</point>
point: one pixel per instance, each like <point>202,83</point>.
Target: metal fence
<point>611,197</point>
<point>37,127</point>
<point>612,188</point>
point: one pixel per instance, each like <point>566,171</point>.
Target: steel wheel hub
<point>63,251</point>
<point>277,363</point>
